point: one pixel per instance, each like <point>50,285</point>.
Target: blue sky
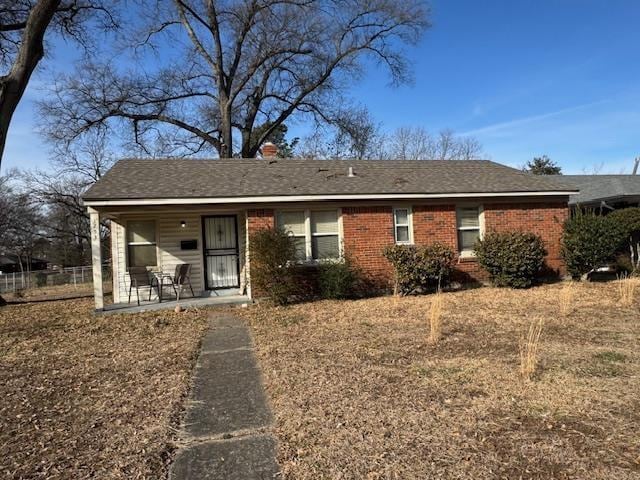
<point>560,78</point>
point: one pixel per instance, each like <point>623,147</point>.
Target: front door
<point>221,251</point>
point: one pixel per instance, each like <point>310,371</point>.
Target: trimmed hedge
<point>512,259</point>
<point>420,269</point>
<point>590,241</point>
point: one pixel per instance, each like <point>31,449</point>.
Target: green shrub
<point>512,259</point>
<point>628,220</point>
<point>420,269</point>
<point>272,257</point>
<point>590,241</point>
<point>337,280</point>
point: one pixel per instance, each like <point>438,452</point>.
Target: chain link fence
<point>77,278</point>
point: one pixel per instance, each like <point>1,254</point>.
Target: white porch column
<point>96,257</point>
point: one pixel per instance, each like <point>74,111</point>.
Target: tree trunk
<point>246,144</point>
<point>31,51</point>
<point>226,134</point>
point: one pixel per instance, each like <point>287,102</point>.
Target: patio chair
<point>139,278</point>
<point>181,277</point>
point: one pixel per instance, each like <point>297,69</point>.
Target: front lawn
<point>92,397</point>
<point>359,393</point>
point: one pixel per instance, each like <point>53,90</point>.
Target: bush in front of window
<point>512,259</point>
<point>590,241</point>
<point>338,280</point>
<point>272,260</point>
<point>420,269</point>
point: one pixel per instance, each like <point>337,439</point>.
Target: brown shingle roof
<point>179,178</point>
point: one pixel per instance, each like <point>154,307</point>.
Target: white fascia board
<point>313,198</point>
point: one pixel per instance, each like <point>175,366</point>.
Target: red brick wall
<point>435,223</point>
<point>543,219</point>
<point>260,218</point>
<point>368,229</point>
<point>257,219</point>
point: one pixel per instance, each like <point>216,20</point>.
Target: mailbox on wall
<point>188,244</point>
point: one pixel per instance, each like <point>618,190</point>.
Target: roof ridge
<point>305,160</point>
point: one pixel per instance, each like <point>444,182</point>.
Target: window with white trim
<point>316,233</point>
<point>468,219</point>
<point>293,223</point>
<point>141,243</point>
<point>402,225</point>
<point>325,237</point>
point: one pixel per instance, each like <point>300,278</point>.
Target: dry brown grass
<point>529,346</point>
<point>91,397</point>
<point>52,291</point>
<point>435,317</point>
<point>358,394</point>
<point>566,297</point>
<point>627,289</point>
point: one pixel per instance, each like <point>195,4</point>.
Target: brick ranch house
<point>203,212</point>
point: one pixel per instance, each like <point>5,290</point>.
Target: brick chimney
<point>269,150</point>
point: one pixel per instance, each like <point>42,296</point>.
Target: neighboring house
<point>10,263</point>
<point>203,212</point>
<point>604,192</point>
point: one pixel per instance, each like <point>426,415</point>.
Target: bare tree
<point>410,143</point>
<point>468,148</point>
<point>58,193</point>
<point>351,133</point>
<point>246,67</point>
<point>23,24</point>
<point>20,219</point>
<point>416,143</point>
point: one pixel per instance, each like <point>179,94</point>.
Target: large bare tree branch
<point>22,43</point>
<point>30,52</point>
<point>248,66</point>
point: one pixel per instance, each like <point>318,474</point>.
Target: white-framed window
<point>316,232</point>
<point>402,230</point>
<point>294,223</point>
<point>325,234</point>
<point>469,221</point>
<point>141,243</point>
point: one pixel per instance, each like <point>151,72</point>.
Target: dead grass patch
<point>435,317</point>
<point>358,394</point>
<point>529,346</point>
<point>92,397</point>
<point>53,291</point>
<point>566,297</point>
<point>627,289</point>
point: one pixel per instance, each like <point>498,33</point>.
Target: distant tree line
<point>41,212</point>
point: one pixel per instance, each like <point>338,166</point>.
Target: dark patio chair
<point>139,277</point>
<point>181,278</point>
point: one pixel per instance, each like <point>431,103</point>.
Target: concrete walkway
<point>225,431</point>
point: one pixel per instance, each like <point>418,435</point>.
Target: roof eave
<point>105,202</point>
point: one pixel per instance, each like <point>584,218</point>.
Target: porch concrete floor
<point>170,304</point>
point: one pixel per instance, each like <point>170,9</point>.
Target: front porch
<point>202,301</point>
<point>208,241</point>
